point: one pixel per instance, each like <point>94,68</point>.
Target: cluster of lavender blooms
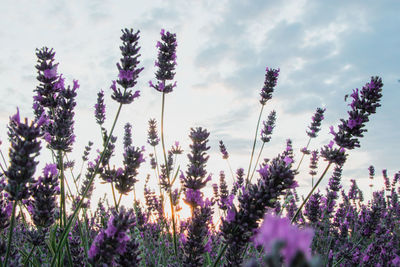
<point>262,222</point>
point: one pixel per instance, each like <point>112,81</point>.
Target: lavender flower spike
<point>44,197</point>
<point>152,134</point>
<point>128,69</point>
<point>166,62</point>
<point>269,125</point>
<point>25,147</point>
<point>315,126</point>
<point>112,243</point>
<point>100,108</point>
<point>59,132</point>
<point>222,148</point>
<point>363,105</point>
<point>271,77</point>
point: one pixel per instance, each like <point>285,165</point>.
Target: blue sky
<point>323,48</point>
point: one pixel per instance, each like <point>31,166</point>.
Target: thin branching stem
<point>10,232</point>
<point>302,156</point>
<point>230,168</point>
<point>254,145</point>
<point>114,197</point>
<point>311,192</point>
<point>169,181</point>
<point>258,158</point>
<point>4,160</point>
<point>85,192</point>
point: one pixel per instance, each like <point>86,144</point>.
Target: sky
<point>324,50</point>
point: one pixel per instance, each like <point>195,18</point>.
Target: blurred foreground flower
<point>294,239</point>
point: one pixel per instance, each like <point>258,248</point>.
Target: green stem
<point>258,158</point>
<point>311,192</point>
<point>119,200</point>
<point>10,232</point>
<point>113,193</point>
<point>351,250</point>
<point>91,179</point>
<point>166,167</point>
<point>29,256</point>
<point>162,134</point>
<point>221,252</point>
<point>302,157</point>
<point>2,156</point>
<point>5,164</point>
<point>254,144</point>
<point>230,168</point>
<point>63,209</point>
<point>73,176</point>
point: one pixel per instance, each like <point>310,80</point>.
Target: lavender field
<point>141,171</point>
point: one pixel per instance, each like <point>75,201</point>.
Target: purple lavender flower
<point>312,208</point>
<point>109,150</point>
<point>127,135</point>
<point>271,77</point>
<point>131,256</point>
<point>275,177</point>
<point>223,202</point>
<point>5,206</point>
<point>364,104</point>
<point>100,108</point>
<point>239,181</point>
<point>125,179</point>
<point>176,149</point>
<point>153,162</point>
<point>269,125</point>
<point>215,191</point>
<point>333,155</point>
<point>59,131</point>
<point>195,178</point>
<point>166,63</point>
<point>313,162</point>
<point>44,193</point>
<point>77,249</point>
<point>193,198</point>
<point>194,247</point>
<point>47,76</point>
<point>25,147</point>
<point>111,243</point>
<point>152,138</point>
<point>128,69</point>
<point>333,189</point>
<point>386,180</point>
<point>275,229</point>
<point>371,171</point>
<point>289,149</point>
<point>315,126</point>
<point>87,151</point>
<point>222,148</point>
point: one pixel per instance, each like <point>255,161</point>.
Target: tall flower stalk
<point>364,103</point>
<point>166,63</point>
<point>25,147</point>
<point>314,128</point>
<point>128,75</point>
<point>266,133</point>
<point>271,78</point>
